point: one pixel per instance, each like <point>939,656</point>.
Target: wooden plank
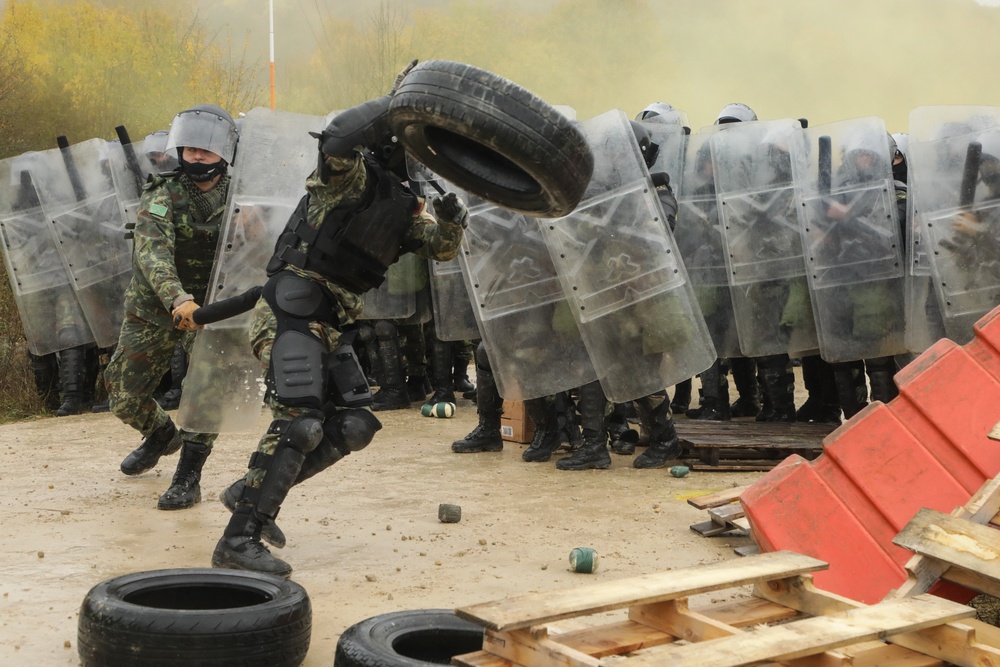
<point>954,643</point>
<point>536,608</point>
<point>809,636</point>
<point>710,528</point>
<point>717,498</point>
<point>923,572</point>
<point>960,542</point>
<point>742,523</point>
<point>994,433</point>
<point>748,550</point>
<point>726,514</point>
<point>732,466</point>
<point>533,648</point>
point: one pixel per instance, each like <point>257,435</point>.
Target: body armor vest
<point>355,244</point>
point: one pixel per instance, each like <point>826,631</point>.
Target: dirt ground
<point>363,537</point>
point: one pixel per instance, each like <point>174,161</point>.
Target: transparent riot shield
<point>78,195</point>
<point>224,388</point>
<point>936,168</point>
<point>671,142</point>
<point>760,232</point>
<point>532,339</point>
<point>454,318</point>
<point>50,314</point>
<point>396,297</point>
<point>129,169</point>
<point>852,237</point>
<point>956,187</point>
<point>620,268</point>
<point>699,241</point>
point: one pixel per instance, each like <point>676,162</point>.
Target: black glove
<point>451,209</point>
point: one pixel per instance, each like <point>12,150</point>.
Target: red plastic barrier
<point>926,448</point>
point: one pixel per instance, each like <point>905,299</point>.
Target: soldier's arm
<point>154,247</point>
<point>439,239</point>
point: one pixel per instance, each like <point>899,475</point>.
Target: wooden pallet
<point>725,513</point>
<point>787,622</point>
<point>739,445</point>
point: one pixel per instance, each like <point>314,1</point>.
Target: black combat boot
<point>880,377</point>
<point>73,377</point>
<point>185,489</point>
<point>45,369</point>
<point>623,437</point>
<point>240,547</point>
<point>664,444</point>
<point>162,442</point>
<point>682,397</point>
<point>744,372</point>
<point>392,394</point>
<point>489,406</point>
<point>441,372</point>
<point>593,453</point>
<point>418,387</point>
<point>171,399</point>
<point>715,394</point>
<point>779,385</point>
<point>546,438</point>
<point>852,397</point>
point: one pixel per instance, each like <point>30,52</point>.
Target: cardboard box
<point>515,424</point>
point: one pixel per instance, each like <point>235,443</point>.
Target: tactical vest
<point>355,244</point>
<point>195,241</point>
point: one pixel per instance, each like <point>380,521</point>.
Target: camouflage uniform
<point>176,234</point>
<point>438,241</point>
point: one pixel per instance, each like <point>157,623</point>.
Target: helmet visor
<point>205,130</point>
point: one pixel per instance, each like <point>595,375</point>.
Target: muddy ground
<point>364,536</point>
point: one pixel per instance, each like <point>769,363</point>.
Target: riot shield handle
<point>130,158</point>
<point>825,156</point>
<point>74,175</point>
<point>970,175</point>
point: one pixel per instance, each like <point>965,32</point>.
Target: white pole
<point>271,8</point>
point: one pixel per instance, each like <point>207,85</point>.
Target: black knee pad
<point>385,329</point>
<point>302,434</point>
<point>351,430</point>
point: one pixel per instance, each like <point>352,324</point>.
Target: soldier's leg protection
<point>489,406</point>
<point>593,453</point>
<point>822,405</point>
<point>623,437</point>
<point>369,344</point>
<point>344,432</point>
<point>546,438</point>
<point>880,376</point>
<point>392,394</point>
<point>779,383</point>
<point>73,378</point>
<point>240,547</point>
<point>568,420</point>
<point>461,351</point>
<point>178,369</point>
<point>664,445</point>
<point>682,397</point>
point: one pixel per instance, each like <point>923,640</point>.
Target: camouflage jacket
<point>437,240</point>
<point>174,249</point>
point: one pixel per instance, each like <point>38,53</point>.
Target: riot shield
<point>618,264</point>
<point>129,169</point>
<point>396,297</point>
<point>454,318</point>
<point>50,314</point>
<point>933,172</point>
<point>956,187</point>
<point>760,232</point>
<point>223,389</point>
<point>78,195</point>
<point>534,345</point>
<point>699,242</point>
<point>853,241</point>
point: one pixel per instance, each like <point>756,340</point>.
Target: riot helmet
<point>661,112</point>
<point>209,128</point>
<point>154,147</point>
<point>365,126</point>
<point>772,157</point>
<point>866,152</point>
<point>736,112</point>
<point>646,145</point>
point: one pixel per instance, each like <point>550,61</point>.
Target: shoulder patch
<point>158,210</point>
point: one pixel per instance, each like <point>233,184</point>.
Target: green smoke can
<point>583,559</point>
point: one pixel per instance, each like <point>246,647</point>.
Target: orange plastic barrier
<point>926,448</point>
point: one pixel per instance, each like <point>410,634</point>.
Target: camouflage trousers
<point>263,331</point>
<point>135,370</point>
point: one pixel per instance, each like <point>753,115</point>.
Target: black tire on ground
<point>195,617</point>
<point>415,638</point>
<point>491,137</point>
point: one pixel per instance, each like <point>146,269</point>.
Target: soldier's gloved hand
<point>450,208</point>
<point>184,316</point>
<point>402,75</point>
